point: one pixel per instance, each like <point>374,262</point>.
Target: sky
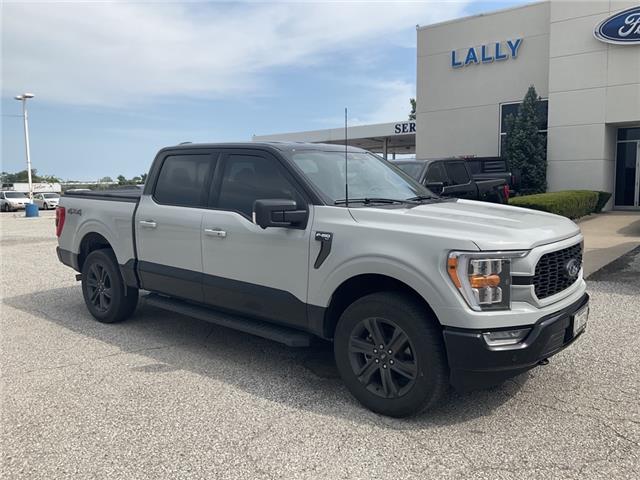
<point>115,81</point>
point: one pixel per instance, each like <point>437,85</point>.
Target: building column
<point>385,146</point>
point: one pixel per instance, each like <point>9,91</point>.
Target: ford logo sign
<point>623,28</point>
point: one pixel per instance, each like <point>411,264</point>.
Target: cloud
<point>118,53</point>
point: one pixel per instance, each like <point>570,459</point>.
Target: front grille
<point>551,271</point>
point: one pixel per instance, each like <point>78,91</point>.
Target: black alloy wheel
<point>105,294</point>
<point>383,357</point>
<point>390,353</point>
<point>99,287</point>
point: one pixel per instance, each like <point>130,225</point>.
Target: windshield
<point>370,177</point>
<point>14,195</point>
<point>51,195</point>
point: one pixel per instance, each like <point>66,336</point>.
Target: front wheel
<point>390,354</point>
<point>45,207</point>
<point>107,297</point>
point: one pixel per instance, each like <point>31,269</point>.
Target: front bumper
<point>474,364</point>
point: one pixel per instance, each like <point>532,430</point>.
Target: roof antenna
<point>346,178</point>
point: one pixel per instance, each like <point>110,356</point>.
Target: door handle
<point>148,224</point>
<point>215,232</point>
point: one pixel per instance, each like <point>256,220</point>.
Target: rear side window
<point>247,178</point>
<point>182,179</point>
<point>475,166</point>
<point>436,173</point>
<point>457,172</point>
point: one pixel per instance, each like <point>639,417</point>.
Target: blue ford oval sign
<point>623,28</point>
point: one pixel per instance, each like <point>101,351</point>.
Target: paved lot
<point>162,396</point>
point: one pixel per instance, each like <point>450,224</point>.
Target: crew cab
<point>453,178</point>
<point>294,242</point>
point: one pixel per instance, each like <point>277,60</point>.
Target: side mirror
<point>278,213</point>
<point>435,187</point>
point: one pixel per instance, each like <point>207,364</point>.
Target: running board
<point>288,336</point>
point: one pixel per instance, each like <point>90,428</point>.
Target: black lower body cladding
<point>475,365</point>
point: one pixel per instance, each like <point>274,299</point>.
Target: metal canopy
<point>397,138</point>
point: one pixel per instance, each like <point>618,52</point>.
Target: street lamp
<point>23,98</point>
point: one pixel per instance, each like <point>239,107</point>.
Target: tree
<point>122,180</point>
<point>143,178</point>
<point>22,177</point>
<point>525,147</point>
<point>412,113</point>
<point>106,180</point>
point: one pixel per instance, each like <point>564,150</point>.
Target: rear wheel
<point>107,298</point>
<point>390,354</point>
<point>5,207</point>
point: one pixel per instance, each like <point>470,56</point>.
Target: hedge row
<point>570,203</point>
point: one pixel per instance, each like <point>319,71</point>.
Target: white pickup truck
<point>416,292</point>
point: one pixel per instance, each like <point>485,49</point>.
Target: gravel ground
<point>162,396</point>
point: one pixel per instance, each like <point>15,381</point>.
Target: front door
<point>627,194</point>
<point>247,269</point>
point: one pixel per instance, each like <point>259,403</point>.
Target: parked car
<point>415,291</point>
<point>452,178</point>
<point>45,201</point>
<point>12,201</point>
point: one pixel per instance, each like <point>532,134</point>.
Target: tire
<point>405,382</point>
<point>107,298</point>
<point>5,207</point>
<point>45,206</point>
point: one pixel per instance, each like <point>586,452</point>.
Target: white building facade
<point>473,72</point>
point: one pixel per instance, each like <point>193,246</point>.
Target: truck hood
<point>490,226</point>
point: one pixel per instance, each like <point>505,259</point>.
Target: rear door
<point>168,224</point>
<point>247,269</point>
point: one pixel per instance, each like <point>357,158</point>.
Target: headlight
<point>483,278</point>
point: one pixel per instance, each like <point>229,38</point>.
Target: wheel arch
<point>90,242</point>
<point>359,286</point>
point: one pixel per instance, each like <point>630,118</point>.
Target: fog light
<point>505,337</point>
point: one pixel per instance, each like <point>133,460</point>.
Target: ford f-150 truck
<point>294,241</point>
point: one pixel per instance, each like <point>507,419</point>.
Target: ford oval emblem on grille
<point>572,268</point>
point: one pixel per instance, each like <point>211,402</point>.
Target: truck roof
<point>282,146</point>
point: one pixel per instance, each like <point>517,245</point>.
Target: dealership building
<point>583,58</point>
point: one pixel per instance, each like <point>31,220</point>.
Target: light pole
<point>23,98</point>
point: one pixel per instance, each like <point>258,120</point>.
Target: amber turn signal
<point>452,268</point>
<point>482,281</point>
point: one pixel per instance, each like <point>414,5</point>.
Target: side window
<point>436,173</point>
<point>181,180</point>
<point>247,178</point>
<point>457,173</point>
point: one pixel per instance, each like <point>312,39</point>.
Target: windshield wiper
<point>419,198</point>
<point>369,200</point>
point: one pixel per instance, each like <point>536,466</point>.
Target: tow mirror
<point>278,213</point>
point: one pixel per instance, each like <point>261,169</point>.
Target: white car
<point>45,201</point>
<point>11,201</point>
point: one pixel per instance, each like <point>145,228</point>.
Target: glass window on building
<point>507,109</point>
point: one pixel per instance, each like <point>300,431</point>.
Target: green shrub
<point>570,203</point>
<point>603,198</point>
